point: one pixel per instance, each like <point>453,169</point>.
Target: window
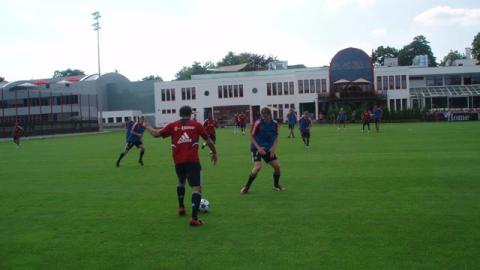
<point>174,111</point>
<point>125,119</point>
<point>317,85</point>
<point>285,88</point>
<point>300,86</point>
<point>119,120</point>
<point>172,93</point>
<point>254,90</point>
<point>453,80</point>
<point>404,81</point>
<point>385,83</point>
<point>225,91</point>
<point>274,89</point>
<point>397,82</point>
<point>164,111</point>
<point>280,91</point>
<point>110,119</point>
<point>434,80</point>
<point>189,93</point>
<point>324,85</point>
<point>397,104</point>
<point>291,88</point>
<point>404,104</point>
<point>235,90</point>
<point>219,91</point>
<point>194,93</point>
<point>312,86</point>
<point>240,90</point>
<point>206,93</point>
<point>230,91</point>
<point>306,89</point>
<point>392,104</point>
<point>168,94</point>
<point>391,83</point>
<point>269,89</point>
<point>184,94</point>
<point>379,83</point>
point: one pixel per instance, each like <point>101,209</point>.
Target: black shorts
<point>291,126</point>
<point>305,133</point>
<point>129,145</point>
<point>191,171</point>
<point>377,120</point>
<point>213,137</point>
<point>16,138</point>
<point>257,157</point>
<point>341,121</point>
<point>242,125</point>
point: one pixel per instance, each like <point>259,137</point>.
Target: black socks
<point>276,179</point>
<point>181,195</point>
<point>196,198</point>
<point>251,177</point>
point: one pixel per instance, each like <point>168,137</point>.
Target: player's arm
<point>260,149</point>
<point>158,132</point>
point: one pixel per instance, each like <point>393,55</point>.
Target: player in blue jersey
<point>128,126</point>
<point>264,140</point>
<point>305,124</point>
<point>292,120</point>
<point>377,117</point>
<point>135,139</point>
<point>341,118</point>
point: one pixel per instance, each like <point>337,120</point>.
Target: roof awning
<point>361,80</point>
<point>445,91</point>
<point>232,68</point>
<point>27,84</point>
<point>342,81</point>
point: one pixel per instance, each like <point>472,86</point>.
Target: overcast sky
<point>140,38</point>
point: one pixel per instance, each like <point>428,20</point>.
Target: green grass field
<point>407,198</point>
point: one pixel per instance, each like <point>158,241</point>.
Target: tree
<point>255,61</point>
<point>450,57</point>
<point>419,46</point>
<point>67,73</point>
<point>476,46</point>
<point>153,78</point>
<point>196,68</point>
<point>2,79</point>
<point>379,55</point>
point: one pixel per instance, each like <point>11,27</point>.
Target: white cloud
<point>378,32</point>
<point>445,15</point>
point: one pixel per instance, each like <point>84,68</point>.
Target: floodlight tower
<point>96,27</point>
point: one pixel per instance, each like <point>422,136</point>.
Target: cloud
<point>445,15</point>
<point>378,32</point>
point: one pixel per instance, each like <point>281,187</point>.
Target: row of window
<point>398,104</point>
<point>42,118</point>
<point>118,119</point>
<point>230,91</point>
<point>392,82</point>
<point>278,88</point>
<point>39,101</point>
<point>440,80</point>
<point>169,111</point>
<point>168,94</point>
<point>278,109</point>
<point>312,86</point>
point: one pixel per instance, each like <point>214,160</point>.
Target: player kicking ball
<point>185,134</point>
<point>264,140</point>
<point>134,139</point>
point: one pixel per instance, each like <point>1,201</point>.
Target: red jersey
<point>17,130</point>
<point>210,125</point>
<point>365,116</point>
<point>185,135</point>
<point>241,118</point>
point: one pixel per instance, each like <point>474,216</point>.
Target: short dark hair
<point>185,111</point>
<point>266,110</point>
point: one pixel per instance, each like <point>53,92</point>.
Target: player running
<point>377,117</point>
<point>366,119</point>
<point>237,123</point>
<point>17,131</point>
<point>292,120</point>
<point>185,134</point>
<point>128,125</point>
<point>242,119</point>
<point>264,140</point>
<point>341,118</point>
<point>305,124</point>
<point>210,125</point>
<point>135,139</point>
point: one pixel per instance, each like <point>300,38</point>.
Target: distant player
<point>16,133</point>
<point>185,134</point>
<point>305,124</point>
<point>366,119</point>
<point>237,123</point>
<point>135,139</point>
<point>377,117</point>
<point>210,125</point>
<point>341,118</point>
<point>242,119</point>
<point>264,140</point>
<point>292,120</point>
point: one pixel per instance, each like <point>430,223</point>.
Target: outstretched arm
<point>154,132</point>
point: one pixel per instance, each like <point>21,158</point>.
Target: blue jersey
<point>341,116</point>
<point>138,129</point>
<point>264,133</point>
<point>129,126</point>
<point>377,114</point>
<point>292,118</point>
<point>305,123</point>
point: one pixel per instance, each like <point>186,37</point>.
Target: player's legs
<point>194,172</point>
<point>142,152</point>
<point>377,125</point>
<point>182,177</point>
<point>276,174</point>
<point>128,146</point>
<point>257,166</point>
<point>307,138</point>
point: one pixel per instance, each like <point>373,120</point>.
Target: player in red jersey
<point>210,125</point>
<point>366,119</point>
<point>185,134</point>
<point>242,119</point>
<point>237,123</point>
<point>17,131</point>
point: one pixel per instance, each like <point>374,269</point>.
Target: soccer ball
<point>204,206</point>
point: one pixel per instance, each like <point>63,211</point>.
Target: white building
<point>350,79</point>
